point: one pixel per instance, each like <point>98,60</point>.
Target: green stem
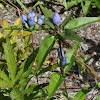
<point>62,70</point>
<point>65,84</point>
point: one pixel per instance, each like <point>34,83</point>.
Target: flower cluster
<point>63,60</point>
<point>31,20</point>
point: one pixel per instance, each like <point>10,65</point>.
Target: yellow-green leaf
<point>10,58</point>
<point>4,24</point>
<point>25,33</point>
<point>18,21</point>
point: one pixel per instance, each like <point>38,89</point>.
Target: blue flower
<point>30,21</point>
<point>29,15</point>
<point>63,61</point>
<point>40,21</point>
<point>23,18</point>
<point>33,14</point>
<point>59,53</point>
<point>56,19</point>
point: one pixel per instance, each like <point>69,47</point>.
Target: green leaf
<point>38,87</point>
<point>23,83</point>
<point>30,60</point>
<point>36,95</point>
<point>44,49</point>
<point>22,5</point>
<point>71,4</point>
<point>86,7</point>
<point>82,21</point>
<point>69,34</point>
<point>16,94</point>
<point>15,27</point>
<point>40,28</point>
<point>98,98</point>
<point>1,6</point>
<point>70,57</point>
<point>10,58</point>
<point>19,74</point>
<point>66,20</point>
<point>4,84</point>
<point>26,66</point>
<point>49,23</point>
<point>55,82</point>
<point>26,70</point>
<point>98,83</point>
<point>4,76</point>
<point>82,94</point>
<point>29,89</point>
<point>97,3</point>
<point>2,63</point>
<point>47,69</point>
<point>48,14</point>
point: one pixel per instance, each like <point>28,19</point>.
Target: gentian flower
<point>56,19</point>
<point>40,21</point>
<point>30,21</point>
<point>63,61</point>
<point>59,53</point>
<point>33,14</point>
<point>23,18</point>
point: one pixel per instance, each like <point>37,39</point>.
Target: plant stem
<point>62,70</point>
<point>32,40</point>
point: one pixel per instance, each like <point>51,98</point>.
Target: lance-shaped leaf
<point>4,84</point>
<point>82,21</point>
<point>86,7</point>
<point>66,20</point>
<point>4,77</point>
<point>15,94</point>
<point>44,49</point>
<point>55,82</point>
<point>69,34</point>
<point>48,23</point>
<point>15,27</point>
<point>47,69</point>
<point>82,94</point>
<point>26,66</point>
<point>48,14</point>
<point>10,58</point>
<point>22,5</point>
<point>98,98</point>
<point>18,22</point>
<point>5,24</point>
<point>70,57</point>
<point>97,3</point>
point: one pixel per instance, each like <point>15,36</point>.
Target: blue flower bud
<point>42,16</point>
<point>56,19</point>
<point>59,53</point>
<point>63,61</point>
<point>40,21</point>
<point>23,18</point>
<point>33,14</point>
<point>30,22</point>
